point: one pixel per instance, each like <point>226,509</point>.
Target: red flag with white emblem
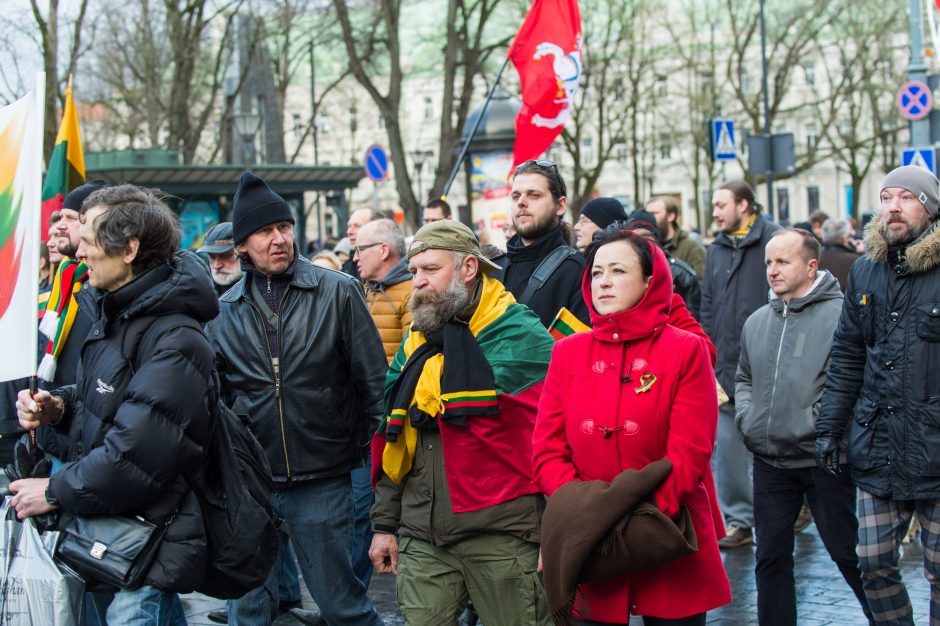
<point>547,55</point>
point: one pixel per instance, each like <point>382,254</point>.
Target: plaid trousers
<point>882,524</point>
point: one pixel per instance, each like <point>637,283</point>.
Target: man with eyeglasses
<point>357,219</point>
<point>387,281</point>
<point>540,268</point>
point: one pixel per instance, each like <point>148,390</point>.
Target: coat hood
<point>181,285</point>
<point>398,274</point>
<point>922,254</point>
<point>826,287</point>
<point>646,317</point>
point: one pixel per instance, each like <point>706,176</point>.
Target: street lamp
<point>246,126</point>
<point>420,157</point>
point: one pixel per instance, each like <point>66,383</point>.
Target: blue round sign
<point>376,163</point>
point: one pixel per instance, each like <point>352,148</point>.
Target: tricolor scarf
<point>60,313</point>
<point>501,354</point>
<point>465,387</point>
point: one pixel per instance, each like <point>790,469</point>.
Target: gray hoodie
<point>781,373</point>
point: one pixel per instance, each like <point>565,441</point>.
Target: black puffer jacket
<point>562,289</point>
<point>318,420</point>
<point>884,384</point>
<point>735,286</point>
<point>136,434</point>
<point>685,283</point>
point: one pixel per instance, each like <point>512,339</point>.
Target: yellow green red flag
<point>67,163</point>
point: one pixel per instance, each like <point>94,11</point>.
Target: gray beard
<point>227,278</point>
<point>430,310</point>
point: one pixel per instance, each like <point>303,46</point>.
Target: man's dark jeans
<point>778,496</point>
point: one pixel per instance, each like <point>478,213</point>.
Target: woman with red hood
<point>632,391</point>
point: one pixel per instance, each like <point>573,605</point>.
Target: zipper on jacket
<point>773,390</point>
<point>276,372</point>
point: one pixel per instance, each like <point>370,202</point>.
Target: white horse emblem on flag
<point>567,68</point>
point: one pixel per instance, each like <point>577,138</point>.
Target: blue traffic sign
<point>915,100</point>
<point>376,163</point>
<point>723,148</point>
<point>924,157</point>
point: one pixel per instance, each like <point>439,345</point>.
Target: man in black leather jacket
<point>299,355</point>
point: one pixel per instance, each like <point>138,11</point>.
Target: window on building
<point>381,123</point>
<point>809,72</point>
<point>665,146</point>
<point>428,108</point>
<point>812,198</point>
<point>662,86</point>
<point>812,136</point>
<point>297,125</point>
<point>353,119</point>
<point>744,80</point>
<point>783,204</point>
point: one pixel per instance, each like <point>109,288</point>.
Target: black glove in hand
<point>27,462</point>
<point>827,453</point>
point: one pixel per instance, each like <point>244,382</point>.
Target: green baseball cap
<point>450,235</point>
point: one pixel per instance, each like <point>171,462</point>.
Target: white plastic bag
<point>35,589</point>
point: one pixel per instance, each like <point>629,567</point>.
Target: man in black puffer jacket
<point>137,428</point>
<point>883,389</point>
<point>300,356</point>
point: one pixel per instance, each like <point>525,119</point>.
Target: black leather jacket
<point>315,416</point>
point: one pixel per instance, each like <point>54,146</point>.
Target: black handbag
<point>113,549</point>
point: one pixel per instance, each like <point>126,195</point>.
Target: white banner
<point>20,202</point>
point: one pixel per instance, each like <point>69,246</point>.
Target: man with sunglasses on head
<point>540,269</point>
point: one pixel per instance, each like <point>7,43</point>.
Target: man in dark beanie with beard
<point>880,403</point>
<point>455,504</point>
<point>298,353</point>
<point>540,269</point>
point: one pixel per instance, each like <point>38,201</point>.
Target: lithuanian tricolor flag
<point>565,323</point>
<point>67,163</point>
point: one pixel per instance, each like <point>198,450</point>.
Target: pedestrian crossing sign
<point>921,157</point>
<point>722,136</point>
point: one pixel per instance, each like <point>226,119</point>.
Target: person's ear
<point>130,252</point>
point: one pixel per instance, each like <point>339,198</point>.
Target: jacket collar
<point>921,255</point>
<point>538,249</point>
<point>752,237</point>
<point>647,317</point>
<point>304,277</point>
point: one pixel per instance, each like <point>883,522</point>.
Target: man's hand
<point>30,497</point>
<point>38,410</point>
<point>827,453</point>
<point>384,553</point>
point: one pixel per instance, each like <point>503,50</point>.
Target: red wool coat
<point>633,390</point>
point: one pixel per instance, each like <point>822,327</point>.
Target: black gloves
<point>827,453</point>
<point>27,462</point>
<point>32,463</point>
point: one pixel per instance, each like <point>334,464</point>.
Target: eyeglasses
<point>359,249</point>
<point>545,163</point>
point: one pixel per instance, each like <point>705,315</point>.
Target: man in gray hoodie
<point>782,369</point>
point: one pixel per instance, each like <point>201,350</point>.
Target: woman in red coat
<point>634,390</point>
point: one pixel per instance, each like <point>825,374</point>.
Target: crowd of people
<point>566,431</point>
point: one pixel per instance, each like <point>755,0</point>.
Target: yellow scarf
<point>747,227</point>
<point>399,455</point>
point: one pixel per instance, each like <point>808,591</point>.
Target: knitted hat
<point>77,196</point>
<point>920,182</point>
<point>643,219</point>
<point>604,211</point>
<point>255,206</point>
<point>218,239</point>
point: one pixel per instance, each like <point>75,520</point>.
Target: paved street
<point>823,597</point>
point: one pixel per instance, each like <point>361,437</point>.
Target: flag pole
<point>473,131</point>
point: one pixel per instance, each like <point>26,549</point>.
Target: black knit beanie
<point>604,211</point>
<point>255,206</point>
<point>77,196</point>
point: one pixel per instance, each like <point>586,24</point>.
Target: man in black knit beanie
<point>299,355</point>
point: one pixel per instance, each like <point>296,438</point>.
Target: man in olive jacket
<point>883,389</point>
<point>299,355</point>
